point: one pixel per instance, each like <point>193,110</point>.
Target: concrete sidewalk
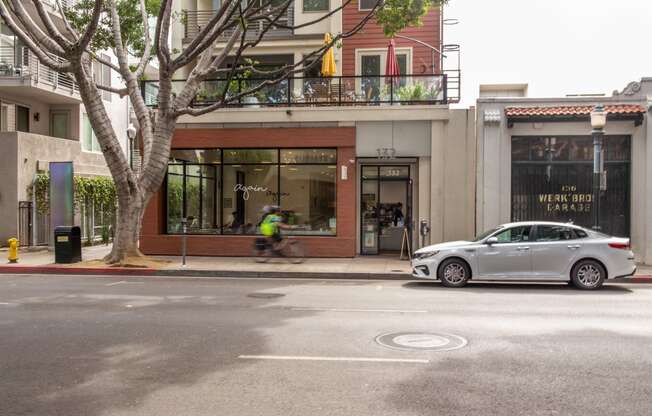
<point>362,267</point>
<point>376,267</point>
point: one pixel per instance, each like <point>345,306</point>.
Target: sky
<point>558,47</point>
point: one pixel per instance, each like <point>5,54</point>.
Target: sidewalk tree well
<point>68,44</point>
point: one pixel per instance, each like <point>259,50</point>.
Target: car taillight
<point>620,246</point>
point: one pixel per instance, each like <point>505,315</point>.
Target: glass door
<point>369,210</point>
<point>386,208</point>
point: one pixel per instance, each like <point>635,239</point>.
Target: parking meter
<point>184,230</point>
<point>424,230</point>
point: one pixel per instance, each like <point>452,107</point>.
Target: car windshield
<point>486,234</point>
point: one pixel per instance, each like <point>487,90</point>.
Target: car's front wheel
<point>454,273</point>
<point>588,275</point>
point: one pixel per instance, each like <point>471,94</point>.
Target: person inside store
<point>398,215</point>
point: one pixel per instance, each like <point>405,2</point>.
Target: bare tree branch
<point>122,92</point>
<point>31,44</point>
<point>87,36</point>
<point>66,22</point>
<point>53,31</point>
<point>148,42</point>
<point>32,29</point>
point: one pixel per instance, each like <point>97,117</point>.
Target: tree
<point>123,27</point>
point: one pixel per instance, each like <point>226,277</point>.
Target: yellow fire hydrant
<point>13,250</point>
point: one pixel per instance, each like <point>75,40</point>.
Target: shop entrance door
<point>386,208</point>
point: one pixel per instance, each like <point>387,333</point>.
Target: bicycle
<point>293,250</point>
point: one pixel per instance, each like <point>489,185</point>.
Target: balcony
<point>333,91</point>
<point>23,74</point>
<point>195,20</point>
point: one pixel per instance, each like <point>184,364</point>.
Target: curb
<point>126,271</point>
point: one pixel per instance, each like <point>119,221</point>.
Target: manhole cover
<point>265,295</point>
<point>414,341</point>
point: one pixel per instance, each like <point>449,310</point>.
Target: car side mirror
<point>491,241</point>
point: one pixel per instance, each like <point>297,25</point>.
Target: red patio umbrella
<point>392,71</point>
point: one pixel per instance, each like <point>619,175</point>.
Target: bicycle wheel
<point>295,252</point>
<point>259,255</point>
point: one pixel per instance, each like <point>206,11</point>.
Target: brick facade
<point>155,241</point>
<point>372,36</point>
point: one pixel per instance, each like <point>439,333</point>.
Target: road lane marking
<point>360,310</point>
<point>123,282</point>
<point>345,359</point>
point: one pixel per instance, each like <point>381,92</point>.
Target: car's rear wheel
<point>588,275</point>
<point>454,273</point>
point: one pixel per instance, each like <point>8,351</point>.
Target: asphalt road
<point>113,346</point>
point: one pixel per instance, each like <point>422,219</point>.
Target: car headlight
<point>427,254</point>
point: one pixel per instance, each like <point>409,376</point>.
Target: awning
<point>526,114</point>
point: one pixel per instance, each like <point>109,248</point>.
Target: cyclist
<point>271,223</point>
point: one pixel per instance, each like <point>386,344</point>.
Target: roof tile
<point>572,110</point>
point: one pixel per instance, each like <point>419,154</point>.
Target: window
<point>514,235</point>
<point>554,233</point>
<point>315,5</point>
<point>22,118</point>
<point>367,4</point>
<point>193,191</point>
<point>307,192</point>
<point>89,140</point>
<point>580,233</point>
<point>59,124</point>
<point>102,76</point>
<point>302,181</point>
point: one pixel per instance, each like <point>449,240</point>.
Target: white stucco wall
<point>493,168</point>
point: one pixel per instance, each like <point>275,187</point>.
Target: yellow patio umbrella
<point>328,68</point>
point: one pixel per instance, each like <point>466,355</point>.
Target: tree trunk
<point>125,242</point>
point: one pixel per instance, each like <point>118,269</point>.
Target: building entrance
<point>386,208</point>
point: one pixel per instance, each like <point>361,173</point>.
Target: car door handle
<point>574,246</point>
<point>522,248</point>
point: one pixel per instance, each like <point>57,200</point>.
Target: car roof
<point>530,223</point>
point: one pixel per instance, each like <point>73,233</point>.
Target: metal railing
<point>195,20</point>
<point>327,91</point>
<point>21,62</point>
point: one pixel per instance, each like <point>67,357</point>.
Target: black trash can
<point>67,244</point>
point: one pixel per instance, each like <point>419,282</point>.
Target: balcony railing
<point>333,91</point>
<point>195,20</point>
<point>22,63</point>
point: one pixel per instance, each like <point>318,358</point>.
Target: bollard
<point>13,250</point>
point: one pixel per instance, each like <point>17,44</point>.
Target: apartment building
<point>357,160</point>
<point>42,120</point>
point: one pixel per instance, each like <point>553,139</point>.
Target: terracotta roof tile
<point>572,110</point>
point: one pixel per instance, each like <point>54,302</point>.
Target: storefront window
<point>250,156</point>
<point>225,190</point>
<point>192,191</point>
<point>195,155</point>
<point>247,189</point>
<point>174,198</point>
<point>308,156</point>
<point>308,198</point>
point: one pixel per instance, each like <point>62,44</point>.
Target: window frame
<point>569,228</point>
<point>502,230</point>
<point>220,183</point>
<point>51,122</point>
<point>326,10</point>
<point>360,7</point>
<point>408,51</point>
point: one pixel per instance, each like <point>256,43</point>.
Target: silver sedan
<point>529,251</point>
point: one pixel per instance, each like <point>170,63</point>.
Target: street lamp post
<point>131,134</point>
<point>598,122</point>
